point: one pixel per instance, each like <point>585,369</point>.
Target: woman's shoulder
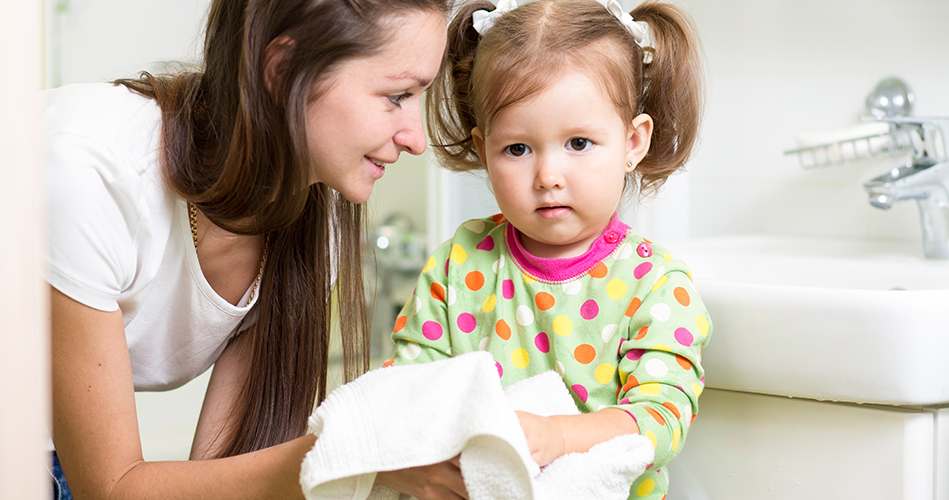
<point>102,116</point>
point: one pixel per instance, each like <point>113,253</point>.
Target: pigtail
<point>448,103</point>
<point>673,86</point>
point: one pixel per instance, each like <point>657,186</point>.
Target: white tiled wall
<point>777,68</point>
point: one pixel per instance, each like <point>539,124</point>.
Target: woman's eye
<point>579,144</point>
<point>517,149</point>
<point>398,98</point>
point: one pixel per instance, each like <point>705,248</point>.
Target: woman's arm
<point>95,427</point>
<point>551,437</point>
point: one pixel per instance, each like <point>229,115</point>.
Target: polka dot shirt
<point>621,323</point>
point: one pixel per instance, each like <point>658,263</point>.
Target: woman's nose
<point>411,135</point>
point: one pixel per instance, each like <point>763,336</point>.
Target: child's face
<point>557,163</point>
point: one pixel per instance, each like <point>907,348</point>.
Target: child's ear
<point>276,55</point>
<point>637,145</point>
<point>478,138</point>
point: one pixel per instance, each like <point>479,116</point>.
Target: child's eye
<point>517,149</point>
<point>579,144</point>
<point>398,98</point>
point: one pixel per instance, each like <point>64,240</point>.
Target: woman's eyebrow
<point>421,82</point>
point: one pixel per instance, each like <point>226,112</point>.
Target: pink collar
<point>556,270</point>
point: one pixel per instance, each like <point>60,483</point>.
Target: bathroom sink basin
<point>841,320</point>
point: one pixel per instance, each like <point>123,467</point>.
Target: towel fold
<point>409,416</point>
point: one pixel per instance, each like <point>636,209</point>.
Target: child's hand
<point>545,438</point>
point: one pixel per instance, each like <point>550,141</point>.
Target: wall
<point>24,337</point>
<point>777,68</point>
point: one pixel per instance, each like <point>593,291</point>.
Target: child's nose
<point>549,174</point>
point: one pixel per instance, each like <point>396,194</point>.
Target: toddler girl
<point>567,104</point>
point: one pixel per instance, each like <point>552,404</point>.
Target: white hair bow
<point>635,28</point>
<point>484,20</point>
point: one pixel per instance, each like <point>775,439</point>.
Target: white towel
<point>409,416</point>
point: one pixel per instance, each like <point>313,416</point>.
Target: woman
<point>204,218</point>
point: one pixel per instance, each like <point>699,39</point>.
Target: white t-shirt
<point>119,239</point>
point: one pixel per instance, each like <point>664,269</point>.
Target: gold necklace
<point>193,219</point>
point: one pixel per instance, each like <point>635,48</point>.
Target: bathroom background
<point>776,68</point>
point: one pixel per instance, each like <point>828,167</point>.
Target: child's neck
<point>561,269</point>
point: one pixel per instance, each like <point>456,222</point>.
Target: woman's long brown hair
<point>239,153</point>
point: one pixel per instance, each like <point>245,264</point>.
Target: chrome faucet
<point>925,179</point>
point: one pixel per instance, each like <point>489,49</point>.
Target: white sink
<point>841,320</point>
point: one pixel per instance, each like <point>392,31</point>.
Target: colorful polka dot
<point>624,251</point>
<point>684,337</point>
<point>580,391</point>
<point>589,309</point>
<point>528,279</point>
<point>697,389</point>
<point>682,296</point>
<point>451,295</point>
<point>544,301</point>
<point>502,329</point>
<point>671,407</point>
<point>542,342</point>
<point>608,332</point>
<point>655,442</point>
<point>676,435</point>
<point>683,362</point>
<point>659,282</point>
<point>487,244</point>
<point>521,358</point>
<point>633,307</point>
<point>599,270</point>
<point>642,270</point>
<point>616,289</point>
<point>645,488</point>
<point>563,326</point>
<point>656,416</point>
<point>635,354</point>
<point>388,363</point>
<point>432,330</point>
<point>650,389</point>
<point>572,288</point>
<point>500,369</point>
<point>474,281</point>
<point>458,254</point>
<point>641,333</point>
<point>507,289</point>
<point>701,324</point>
<point>584,353</point>
<point>466,322</point>
<point>656,368</point>
<point>400,323</point>
<point>498,264</point>
<point>418,304</point>
<point>475,226</point>
<point>524,316</point>
<point>429,265</point>
<point>489,303</point>
<point>660,312</point>
<point>483,343</point>
<point>604,373</point>
<point>411,351</point>
<point>438,292</point>
<point>631,382</point>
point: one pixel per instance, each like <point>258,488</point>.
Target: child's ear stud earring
<point>630,164</point>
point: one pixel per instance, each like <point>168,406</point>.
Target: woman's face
<point>370,111</point>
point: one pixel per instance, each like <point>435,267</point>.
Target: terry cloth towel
<point>409,416</point>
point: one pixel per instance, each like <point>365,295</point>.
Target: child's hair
<point>530,46</point>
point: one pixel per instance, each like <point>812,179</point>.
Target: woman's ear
<point>276,55</point>
<point>640,136</point>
